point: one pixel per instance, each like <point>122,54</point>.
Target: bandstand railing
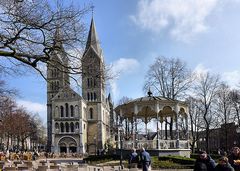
<point>152,144</point>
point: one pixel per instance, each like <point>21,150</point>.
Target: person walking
<point>234,158</point>
<point>204,162</point>
<point>223,165</point>
<point>145,159</point>
<point>133,159</point>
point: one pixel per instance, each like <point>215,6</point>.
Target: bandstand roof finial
<point>149,92</point>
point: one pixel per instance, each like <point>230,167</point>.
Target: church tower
<point>93,91</point>
<point>57,78</point>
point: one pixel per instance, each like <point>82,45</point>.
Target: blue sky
<point>203,33</point>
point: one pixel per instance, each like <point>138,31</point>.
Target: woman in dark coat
<point>204,163</point>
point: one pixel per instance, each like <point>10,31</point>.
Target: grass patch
<point>163,162</point>
<point>172,162</point>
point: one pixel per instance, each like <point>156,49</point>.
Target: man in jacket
<point>145,159</point>
<point>204,162</point>
<point>223,165</point>
<point>133,159</point>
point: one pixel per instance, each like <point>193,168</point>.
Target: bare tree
<point>224,106</point>
<point>124,100</point>
<point>30,31</point>
<point>195,120</point>
<point>206,91</point>
<point>235,99</point>
<point>170,78</point>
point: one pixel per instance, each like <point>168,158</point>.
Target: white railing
<point>152,144</point>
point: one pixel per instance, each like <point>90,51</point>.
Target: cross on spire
<point>92,8</point>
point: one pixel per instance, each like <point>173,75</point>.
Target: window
<point>95,96</point>
<point>67,127</point>
<point>91,96</point>
<point>95,83</point>
<point>72,127</point>
<point>62,111</point>
<point>56,126</point>
<point>66,107</point>
<point>62,127</point>
<point>71,110</point>
<point>77,125</point>
<point>91,113</point>
<point>88,96</point>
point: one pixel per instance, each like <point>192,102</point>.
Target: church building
<point>78,123</point>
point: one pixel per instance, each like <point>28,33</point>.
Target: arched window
<point>71,110</point>
<point>91,82</point>
<point>56,126</point>
<point>72,127</point>
<point>76,110</point>
<point>66,108</point>
<point>62,111</point>
<point>77,125</point>
<point>95,83</point>
<point>95,96</point>
<point>88,96</point>
<point>91,96</point>
<point>67,126</point>
<point>62,127</point>
<point>91,113</point>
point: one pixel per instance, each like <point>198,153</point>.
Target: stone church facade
<point>78,123</point>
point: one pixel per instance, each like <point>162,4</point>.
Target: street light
<point>120,129</point>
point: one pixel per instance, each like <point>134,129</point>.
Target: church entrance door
<point>63,149</point>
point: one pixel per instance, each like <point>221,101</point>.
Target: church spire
<point>92,40</point>
<point>58,39</point>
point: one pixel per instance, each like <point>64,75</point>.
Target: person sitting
<point>223,165</point>
<point>133,159</point>
<point>204,162</point>
<point>234,158</point>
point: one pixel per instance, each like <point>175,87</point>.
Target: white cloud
<point>182,18</point>
<point>200,69</point>
<point>34,107</point>
<point>125,65</point>
<point>119,68</point>
<point>232,78</point>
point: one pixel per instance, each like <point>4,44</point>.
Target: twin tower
<point>78,123</point>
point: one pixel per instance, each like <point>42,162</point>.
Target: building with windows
<point>78,123</point>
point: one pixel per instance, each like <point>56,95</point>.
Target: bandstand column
<point>177,130</point>
<point>158,140</point>
<point>187,131</point>
<point>135,119</point>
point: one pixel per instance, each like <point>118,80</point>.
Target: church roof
<point>93,40</point>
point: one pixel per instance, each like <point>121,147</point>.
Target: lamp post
<point>120,129</point>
